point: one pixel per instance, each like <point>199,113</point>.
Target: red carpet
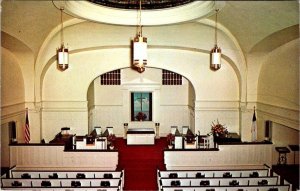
<point>141,163</point>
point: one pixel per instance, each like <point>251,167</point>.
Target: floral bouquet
<point>170,138</point>
<point>218,129</point>
<point>141,116</point>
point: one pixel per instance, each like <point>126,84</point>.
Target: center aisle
<point>140,163</point>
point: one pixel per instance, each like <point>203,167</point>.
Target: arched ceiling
<point>252,23</point>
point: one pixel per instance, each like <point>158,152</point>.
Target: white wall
<point>12,92</point>
<point>12,101</point>
<point>217,94</point>
<point>112,103</point>
<point>278,88</point>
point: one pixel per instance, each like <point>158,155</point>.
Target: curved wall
<point>278,87</point>
<point>278,79</point>
<point>12,101</point>
<point>99,48</point>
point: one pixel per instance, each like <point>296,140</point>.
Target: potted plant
<point>170,139</point>
<point>111,139</point>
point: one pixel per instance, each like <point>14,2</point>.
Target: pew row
<point>69,189</point>
<point>227,188</point>
<point>261,178</point>
<point>219,181</point>
<point>66,180</point>
<point>215,173</point>
<point>60,183</point>
<point>66,174</point>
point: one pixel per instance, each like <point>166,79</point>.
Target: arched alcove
<point>109,105</point>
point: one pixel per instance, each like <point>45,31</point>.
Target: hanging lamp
<point>140,46</point>
<point>62,51</point>
<point>215,61</point>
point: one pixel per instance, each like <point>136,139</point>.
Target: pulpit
<point>63,137</point>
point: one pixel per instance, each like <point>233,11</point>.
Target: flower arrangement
<point>141,116</point>
<point>170,138</point>
<point>111,138</point>
<point>218,129</point>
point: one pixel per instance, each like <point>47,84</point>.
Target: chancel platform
<point>140,136</point>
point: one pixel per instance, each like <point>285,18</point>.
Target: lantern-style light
<point>140,46</point>
<point>62,51</point>
<point>215,54</point>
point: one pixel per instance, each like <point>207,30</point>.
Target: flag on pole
<point>26,129</point>
<point>254,128</point>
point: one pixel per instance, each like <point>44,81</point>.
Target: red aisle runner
<point>141,163</point>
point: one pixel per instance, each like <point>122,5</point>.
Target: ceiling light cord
<point>140,33</point>
<point>216,27</point>
<point>62,26</point>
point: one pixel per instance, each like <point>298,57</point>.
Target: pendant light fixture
<point>140,46</point>
<point>216,51</point>
<point>62,51</point>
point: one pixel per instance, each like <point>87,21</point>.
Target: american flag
<point>26,129</point>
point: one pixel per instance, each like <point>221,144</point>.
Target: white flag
<point>254,128</point>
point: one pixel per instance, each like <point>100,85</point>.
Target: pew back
<point>245,181</point>
<point>215,173</point>
<point>224,188</point>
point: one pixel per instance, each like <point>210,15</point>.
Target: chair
<point>110,130</point>
<point>98,130</point>
<point>184,129</point>
<point>173,129</point>
<point>206,142</point>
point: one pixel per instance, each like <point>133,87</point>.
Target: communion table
<point>140,136</point>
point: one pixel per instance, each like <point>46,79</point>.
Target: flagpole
<point>254,128</point>
<point>26,128</point>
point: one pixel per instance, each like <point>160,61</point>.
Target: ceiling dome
<point>146,4</point>
<point>156,12</point>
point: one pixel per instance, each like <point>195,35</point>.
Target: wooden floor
<point>289,172</point>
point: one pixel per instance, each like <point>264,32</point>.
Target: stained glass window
<point>141,106</point>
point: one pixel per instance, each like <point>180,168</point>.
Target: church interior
<point>103,94</point>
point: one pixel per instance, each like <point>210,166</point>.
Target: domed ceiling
<point>156,12</point>
<point>146,4</point>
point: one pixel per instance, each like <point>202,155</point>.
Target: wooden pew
<point>227,188</point>
<point>40,180</point>
<point>69,189</point>
<point>61,183</point>
<point>244,181</point>
<point>65,174</point>
<point>215,173</point>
